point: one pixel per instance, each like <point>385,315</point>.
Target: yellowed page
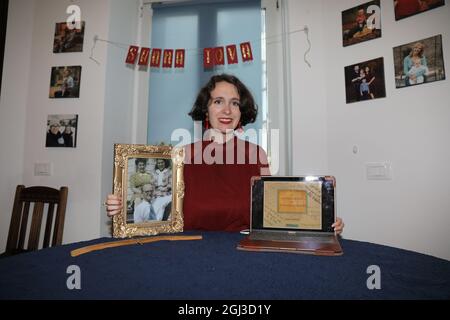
<point>295,205</point>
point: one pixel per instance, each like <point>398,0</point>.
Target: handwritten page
<point>296,205</point>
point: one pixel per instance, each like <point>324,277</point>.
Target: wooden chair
<point>41,197</point>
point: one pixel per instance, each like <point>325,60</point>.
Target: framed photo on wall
<point>150,178</point>
<point>61,131</point>
<point>67,39</point>
<point>419,62</point>
<point>361,23</point>
<point>65,82</point>
<point>365,81</point>
<point>406,8</point>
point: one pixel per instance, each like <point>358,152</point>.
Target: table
<point>213,268</point>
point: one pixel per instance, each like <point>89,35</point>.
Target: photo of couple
<point>365,81</point>
<point>419,62</point>
<point>149,193</point>
<point>61,130</point>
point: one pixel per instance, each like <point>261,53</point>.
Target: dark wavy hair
<point>166,163</point>
<point>143,160</point>
<point>248,107</point>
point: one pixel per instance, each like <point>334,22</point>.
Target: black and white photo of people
<point>61,131</point>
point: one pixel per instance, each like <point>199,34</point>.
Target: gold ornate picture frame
<point>150,181</point>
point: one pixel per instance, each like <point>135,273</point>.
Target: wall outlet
<point>378,171</point>
<point>43,169</point>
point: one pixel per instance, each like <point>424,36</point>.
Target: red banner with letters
<point>167,58</point>
<point>179,58</point>
<point>143,57</point>
<point>246,51</point>
<point>211,56</point>
<point>132,54</point>
<point>232,54</point>
<point>155,60</point>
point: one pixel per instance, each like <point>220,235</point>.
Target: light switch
<point>378,171</point>
<point>43,169</point>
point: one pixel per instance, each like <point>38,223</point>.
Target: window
<point>195,25</point>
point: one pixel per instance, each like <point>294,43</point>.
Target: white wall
<point>121,105</point>
<point>78,168</point>
<point>309,127</point>
<point>13,106</point>
<point>112,107</point>
<point>409,128</point>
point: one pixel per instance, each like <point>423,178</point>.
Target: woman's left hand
<point>338,226</point>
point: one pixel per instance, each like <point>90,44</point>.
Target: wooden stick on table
<point>119,243</point>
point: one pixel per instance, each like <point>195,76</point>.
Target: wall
<point>13,106</point>
<point>80,167</point>
<point>121,102</point>
<point>409,128</point>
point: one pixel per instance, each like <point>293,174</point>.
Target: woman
<point>415,54</point>
<point>370,78</point>
<point>163,178</point>
<point>54,136</point>
<point>68,137</point>
<point>218,169</point>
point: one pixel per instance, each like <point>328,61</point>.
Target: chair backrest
<point>40,197</point>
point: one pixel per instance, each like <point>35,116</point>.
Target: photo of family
<point>365,81</point>
<point>68,40</point>
<point>407,8</point>
<point>61,131</point>
<point>361,23</point>
<point>149,193</point>
<point>419,62</point>
<point>65,82</point>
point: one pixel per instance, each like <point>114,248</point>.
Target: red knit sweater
<point>217,195</point>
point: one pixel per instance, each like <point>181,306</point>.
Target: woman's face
<point>141,167</point>
<point>223,109</point>
<point>417,49</point>
<point>54,129</point>
<point>160,164</point>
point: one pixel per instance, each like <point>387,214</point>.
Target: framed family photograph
<point>407,8</point>
<point>67,38</point>
<point>361,23</point>
<point>150,180</point>
<point>65,82</point>
<point>365,81</point>
<point>62,131</point>
<point>419,62</point>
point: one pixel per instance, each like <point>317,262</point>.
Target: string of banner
<point>211,56</point>
<point>176,57</point>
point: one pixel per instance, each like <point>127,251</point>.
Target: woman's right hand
<point>113,204</point>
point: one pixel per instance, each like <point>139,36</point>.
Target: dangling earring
<point>206,123</point>
<point>239,127</point>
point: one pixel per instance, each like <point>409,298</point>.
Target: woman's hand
<point>113,204</point>
<point>338,226</point>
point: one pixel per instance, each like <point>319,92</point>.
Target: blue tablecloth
<point>213,268</point>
